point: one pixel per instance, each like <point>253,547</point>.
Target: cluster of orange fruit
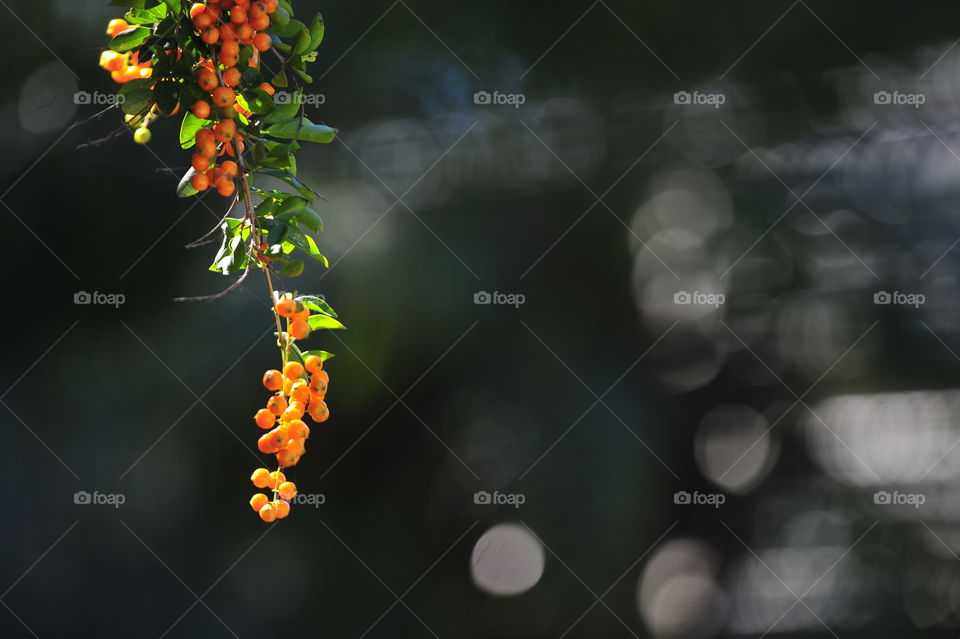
<point>124,67</point>
<point>225,25</point>
<point>283,492</point>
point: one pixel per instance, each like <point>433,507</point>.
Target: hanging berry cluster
<point>209,58</point>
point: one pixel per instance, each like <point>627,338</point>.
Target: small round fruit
<point>268,513</point>
<point>231,77</point>
<point>265,419</point>
<point>277,404</point>
<point>287,458</point>
<point>258,501</point>
<point>313,364</point>
<point>225,129</point>
<point>298,429</point>
<point>300,392</point>
<point>277,478</point>
<point>207,79</point>
<point>261,478</point>
<point>225,187</point>
<point>293,370</point>
<point>283,508</point>
<point>286,307</point>
<point>294,268</point>
<point>262,42</point>
<point>201,109</point>
<point>200,182</point>
<point>287,490</point>
<point>319,411</point>
<point>273,380</point>
<point>299,330</point>
<point>116,26</point>
<point>200,162</point>
<point>224,96</point>
<point>142,135</point>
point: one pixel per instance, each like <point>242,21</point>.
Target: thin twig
<point>221,294</point>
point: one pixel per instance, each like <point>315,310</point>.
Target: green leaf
<point>166,94</point>
<point>136,96</point>
<point>316,32</point>
<point>317,322</point>
<point>302,130</point>
<point>146,16</point>
<point>130,39</point>
<point>185,188</point>
<point>284,110</point>
<point>232,256</point>
<point>317,304</point>
<point>290,179</point>
<point>188,130</point>
<point>323,355</point>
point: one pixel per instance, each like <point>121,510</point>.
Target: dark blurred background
<point>713,393</point>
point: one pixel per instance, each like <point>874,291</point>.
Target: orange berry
<point>300,392</point>
<point>261,41</point>
<point>224,96</point>
<point>197,9</point>
<point>265,419</point>
<point>258,8</point>
<point>207,79</point>
<point>200,182</point>
<point>258,501</point>
<point>200,163</point>
<point>283,508</point>
<point>298,429</point>
<point>266,86</point>
<point>244,33</point>
<point>201,109</point>
<point>287,490</point>
<point>225,129</point>
<point>116,26</point>
<point>210,33</point>
<point>268,513</point>
<point>273,380</point>
<point>295,446</point>
<point>293,370</point>
<point>287,458</point>
<point>277,478</point>
<point>271,5</point>
<point>320,381</point>
<point>313,363</point>
<point>288,385</point>
<point>294,411</point>
<point>238,15</point>
<point>227,32</point>
<point>229,48</point>
<point>319,411</point>
<point>229,168</point>
<point>286,307</point>
<point>299,330</point>
<point>231,78</point>
<point>270,442</point>
<point>260,478</point>
<point>277,404</point>
<point>226,187</point>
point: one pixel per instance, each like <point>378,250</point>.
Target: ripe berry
<point>320,381</point>
<point>229,168</point>
<point>200,163</point>
<point>300,392</point>
<point>265,419</point>
<point>225,129</point>
<point>224,97</point>
<point>238,15</point>
<point>229,48</point>
<point>231,78</point>
<point>273,380</point>
<point>207,79</point>
<point>268,513</point>
<point>294,411</point>
<point>293,370</point>
<point>277,478</point>
<point>266,86</point>
<point>262,41</point>
<point>313,363</point>
<point>261,478</point>
<point>283,508</point>
<point>258,501</point>
<point>225,187</point>
<point>287,458</point>
<point>201,109</point>
<point>297,429</point>
<point>210,33</point>
<point>286,307</point>
<point>200,182</point>
<point>277,404</point>
<point>319,411</point>
<point>117,26</point>
<point>287,490</point>
<point>269,442</point>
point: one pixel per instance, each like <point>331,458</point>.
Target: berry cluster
<point>299,390</point>
<point>226,26</point>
